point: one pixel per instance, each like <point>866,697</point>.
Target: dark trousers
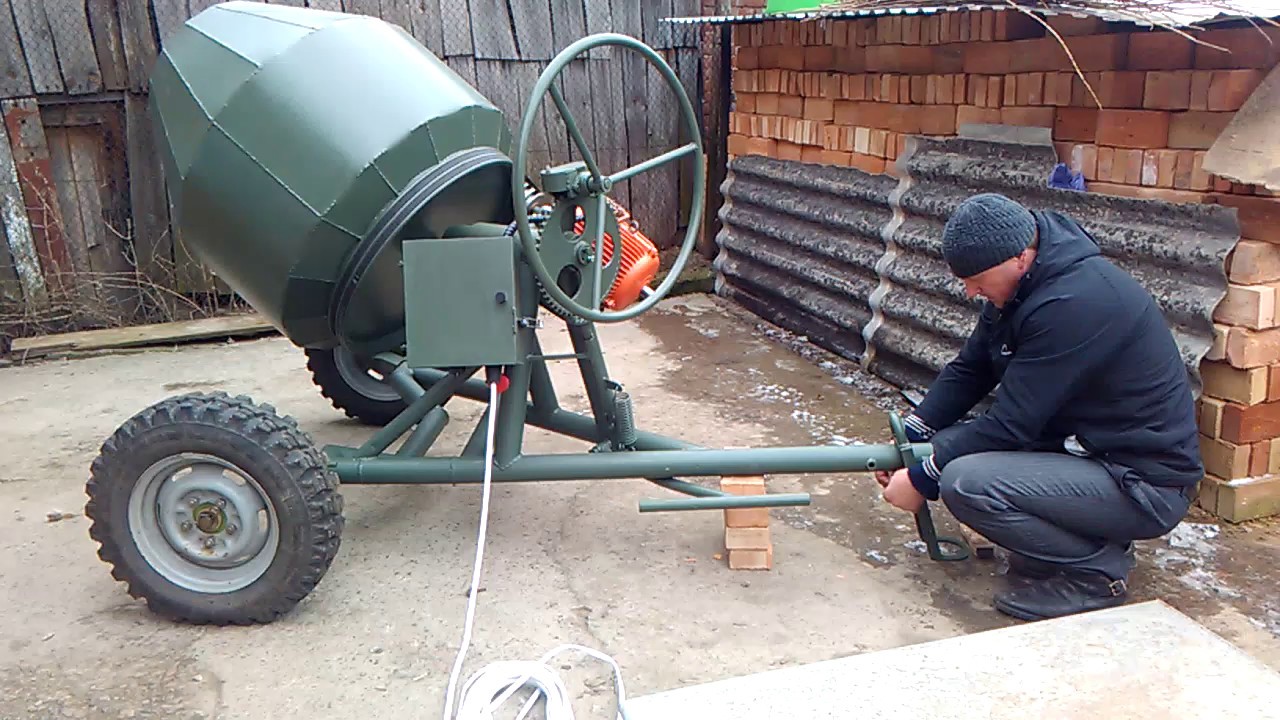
<point>1059,508</point>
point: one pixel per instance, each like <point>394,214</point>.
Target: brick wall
<point>848,92</point>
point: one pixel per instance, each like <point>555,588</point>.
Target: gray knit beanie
<point>985,231</point>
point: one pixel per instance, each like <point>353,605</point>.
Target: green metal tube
<point>425,435</point>
<point>585,466</point>
<point>560,421</point>
<point>688,488</point>
<point>440,391</point>
<point>728,502</point>
<point>653,162</point>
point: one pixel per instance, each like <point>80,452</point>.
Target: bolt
<point>193,501</point>
<point>186,526</point>
<point>231,529</point>
<point>209,543</point>
<point>222,502</point>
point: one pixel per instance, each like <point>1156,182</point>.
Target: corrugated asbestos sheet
<point>853,261</point>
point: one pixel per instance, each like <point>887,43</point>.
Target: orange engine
<point>639,258</point>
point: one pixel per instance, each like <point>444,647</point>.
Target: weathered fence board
<point>73,44</point>
<point>37,44</point>
<point>15,78</point>
<point>108,44</point>
<point>17,227</point>
<point>139,45</point>
<point>531,20</point>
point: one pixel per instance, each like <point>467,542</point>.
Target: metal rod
<point>559,420</point>
<point>620,465</point>
<point>438,393</point>
<point>572,125</point>
<point>687,488</point>
<point>426,434</point>
<point>513,406</point>
<point>728,502</point>
<point>624,175</point>
<point>594,378</point>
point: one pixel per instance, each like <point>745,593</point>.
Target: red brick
<point>747,58</point>
<point>1228,89</point>
<point>1259,216</point>
<point>820,57</point>
<point>767,103</point>
<point>1224,459</point>
<point>1057,89</point>
<point>747,538</point>
<point>1200,82</point>
<point>791,106</point>
<point>1251,306</point>
<point>1254,261</point>
<point>1210,415</point>
<point>1146,193</point>
<point>1247,47</point>
<point>1196,130</point>
<point>995,90</point>
<point>1130,162</point>
<point>1133,128</point>
<point>1243,386</point>
<point>1084,160</point>
<point>1076,124</point>
<point>1273,383</point>
<point>1159,50</point>
<point>960,90</point>
<point>1254,349</point>
<point>761,146</point>
<point>919,88</point>
<point>939,120</point>
<point>751,559</point>
<point>790,151</point>
<point>1009,97</point>
<point>1030,88</point>
<point>1081,96</point>
<point>1091,52</point>
<point>1167,90</point>
<point>868,163</point>
<point>878,140</point>
<point>746,102</point>
<point>1028,116</point>
<point>1121,89</point>
<point>818,109</point>
<point>1158,168</point>
<point>737,145</point>
<point>1106,164</point>
<point>911,60</point>
<point>970,115</point>
<point>1242,424</point>
<point>836,157</point>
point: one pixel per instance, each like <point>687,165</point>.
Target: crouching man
<point>1091,441</point>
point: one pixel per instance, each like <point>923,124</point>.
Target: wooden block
<point>1210,416</point>
<point>1241,500</point>
<point>1133,128</point>
<point>1243,424</point>
<point>751,559</point>
<point>1252,262</point>
<point>1075,124</point>
<point>1224,459</point>
<point>1167,90</point>
<point>1243,386</point>
<point>1253,349</point>
<point>1196,130</point>
<point>1159,50</point>
<point>747,538</point>
<point>1228,89</point>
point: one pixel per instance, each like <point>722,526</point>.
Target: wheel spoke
<point>601,209</point>
<point>578,139</point>
<point>653,162</point>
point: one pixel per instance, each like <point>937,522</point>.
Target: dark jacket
<point>1081,350</point>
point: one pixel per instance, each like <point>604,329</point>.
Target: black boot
<point>1031,568</point>
<point>1070,592</point>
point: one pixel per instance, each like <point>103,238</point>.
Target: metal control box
<point>460,302</point>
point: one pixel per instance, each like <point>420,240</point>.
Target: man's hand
<point>898,490</point>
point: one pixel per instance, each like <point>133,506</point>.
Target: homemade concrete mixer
<point>360,195</point>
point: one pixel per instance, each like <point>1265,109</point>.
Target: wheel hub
<point>203,523</point>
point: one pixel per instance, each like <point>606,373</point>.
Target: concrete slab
<point>1138,661</point>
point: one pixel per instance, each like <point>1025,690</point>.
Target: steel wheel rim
<point>203,524</point>
<point>359,378</point>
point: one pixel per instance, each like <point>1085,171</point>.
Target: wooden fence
<point>87,239</point>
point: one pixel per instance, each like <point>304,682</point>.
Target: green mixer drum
<point>287,133</point>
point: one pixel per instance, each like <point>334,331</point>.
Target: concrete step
<point>1143,661</point>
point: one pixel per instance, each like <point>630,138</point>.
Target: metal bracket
<point>924,519</point>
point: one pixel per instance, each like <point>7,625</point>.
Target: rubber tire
<point>355,404</point>
<point>271,448</point>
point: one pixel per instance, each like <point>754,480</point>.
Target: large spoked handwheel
<point>584,185</point>
<point>214,510</point>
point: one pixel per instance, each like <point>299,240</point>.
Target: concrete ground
<point>566,562</point>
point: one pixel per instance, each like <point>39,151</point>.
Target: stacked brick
<point>1139,123</point>
<point>746,530</point>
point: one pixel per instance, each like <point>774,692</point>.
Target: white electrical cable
<point>488,689</point>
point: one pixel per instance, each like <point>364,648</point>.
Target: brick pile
<point>746,530</point>
<point>849,92</point>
